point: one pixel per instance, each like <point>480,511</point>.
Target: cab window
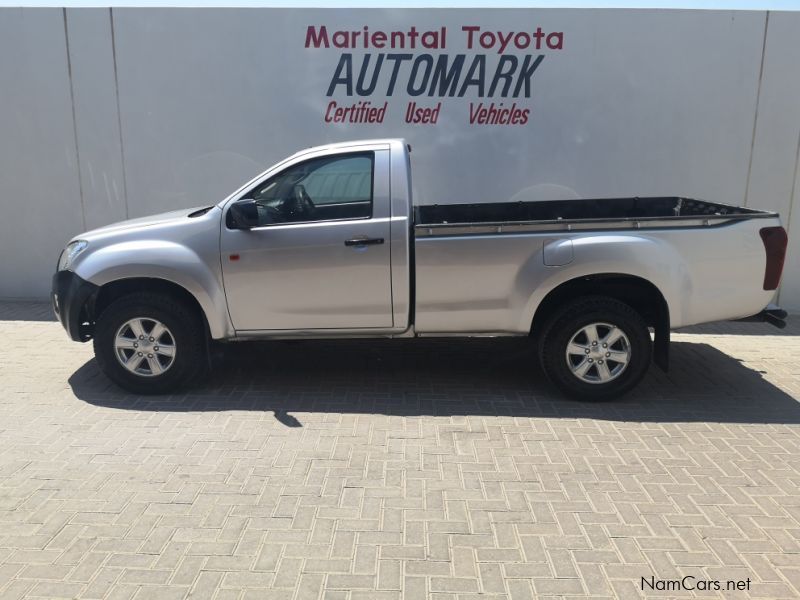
<point>322,189</point>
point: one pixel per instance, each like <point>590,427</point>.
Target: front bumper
<point>73,299</point>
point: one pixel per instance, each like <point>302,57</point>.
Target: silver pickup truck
<point>328,244</point>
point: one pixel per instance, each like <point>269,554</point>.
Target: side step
<point>772,314</point>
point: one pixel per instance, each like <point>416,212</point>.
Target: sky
<point>696,4</point>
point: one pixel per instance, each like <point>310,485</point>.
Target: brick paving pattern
<point>397,469</point>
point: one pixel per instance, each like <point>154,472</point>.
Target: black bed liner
<point>556,210</point>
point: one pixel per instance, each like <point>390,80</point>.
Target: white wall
<point>40,196</point>
<point>774,172</point>
<point>112,114</point>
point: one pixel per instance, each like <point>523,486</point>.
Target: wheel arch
<point>154,263</point>
<point>118,288</point>
<point>637,292</point>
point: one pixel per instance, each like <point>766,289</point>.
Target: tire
<point>183,336</point>
<point>580,374</point>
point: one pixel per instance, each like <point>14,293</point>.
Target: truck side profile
<point>328,244</point>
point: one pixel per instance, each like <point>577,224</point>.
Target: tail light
<point>775,240</point>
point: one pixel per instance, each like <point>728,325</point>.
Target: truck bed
<point>582,214</point>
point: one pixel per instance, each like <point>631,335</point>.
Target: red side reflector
<point>234,257</point>
<point>775,240</point>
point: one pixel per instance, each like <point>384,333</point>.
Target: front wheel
<point>149,343</point>
<point>596,348</point>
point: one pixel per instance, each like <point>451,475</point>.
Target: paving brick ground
<point>383,470</point>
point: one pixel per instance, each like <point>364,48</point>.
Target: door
<point>320,255</point>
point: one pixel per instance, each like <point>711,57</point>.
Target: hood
<point>144,222</point>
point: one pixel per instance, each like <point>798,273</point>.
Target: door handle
<point>363,242</point>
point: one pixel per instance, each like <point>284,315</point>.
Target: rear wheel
<point>595,348</point>
<point>150,343</point>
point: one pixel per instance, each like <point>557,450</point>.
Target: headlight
<point>70,253</point>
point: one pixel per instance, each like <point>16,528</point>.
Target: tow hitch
<point>772,314</point>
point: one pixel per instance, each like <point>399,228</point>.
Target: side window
<point>321,189</point>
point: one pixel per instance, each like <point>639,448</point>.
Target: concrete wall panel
<point>208,96</point>
<point>40,195</point>
<point>95,93</point>
<point>777,135</point>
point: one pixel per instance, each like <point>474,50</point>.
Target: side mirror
<point>243,215</point>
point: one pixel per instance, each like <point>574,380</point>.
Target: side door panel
<point>302,276</point>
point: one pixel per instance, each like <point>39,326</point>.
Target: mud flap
<point>661,348</point>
